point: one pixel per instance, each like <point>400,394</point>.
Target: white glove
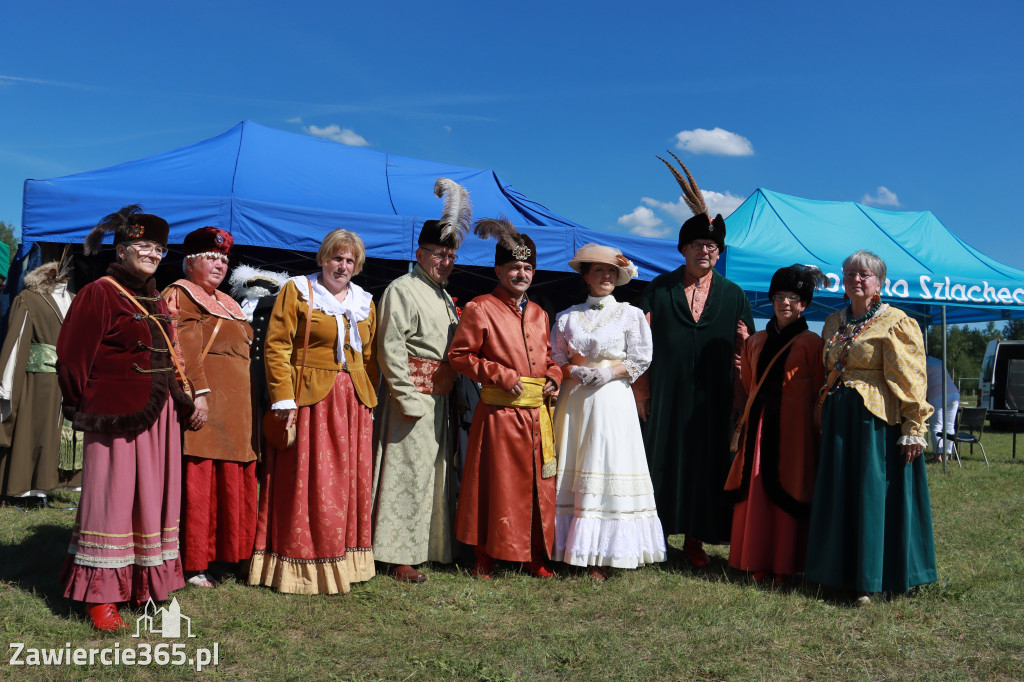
<point>582,374</point>
<point>600,376</point>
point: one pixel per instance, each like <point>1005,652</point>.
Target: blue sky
<point>902,105</point>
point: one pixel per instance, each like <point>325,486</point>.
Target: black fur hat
<point>800,279</point>
<point>702,227</point>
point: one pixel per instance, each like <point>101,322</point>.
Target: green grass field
<point>668,622</point>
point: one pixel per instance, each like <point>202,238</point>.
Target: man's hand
<point>643,409</point>
<point>549,387</point>
<point>200,414</point>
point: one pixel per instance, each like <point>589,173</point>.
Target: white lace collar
<point>355,307</point>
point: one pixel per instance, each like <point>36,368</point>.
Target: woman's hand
<point>199,414</point>
<point>287,416</point>
<point>911,452</point>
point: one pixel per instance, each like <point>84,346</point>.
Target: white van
<point>1002,380</point>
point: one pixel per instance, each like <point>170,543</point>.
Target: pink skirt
<point>218,520</point>
<point>313,526</point>
<point>124,545</point>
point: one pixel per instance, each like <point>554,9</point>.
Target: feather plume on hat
<point>691,192</point>
<point>500,228</point>
<point>251,282</point>
<point>110,223</point>
<point>457,215</point>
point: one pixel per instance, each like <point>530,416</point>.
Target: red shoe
<point>537,569</point>
<point>761,577</point>
<point>695,553</point>
<point>407,574</point>
<point>105,618</point>
<point>598,574</point>
<point>484,566</point>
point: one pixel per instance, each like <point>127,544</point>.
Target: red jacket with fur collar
<point>113,365</point>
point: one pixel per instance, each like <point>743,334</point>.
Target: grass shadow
<point>33,563</point>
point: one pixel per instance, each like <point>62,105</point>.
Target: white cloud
<point>716,141</point>
<point>717,202</point>
<point>448,129</point>
<point>642,222</point>
<point>336,133</point>
<point>883,197</point>
<point>297,119</point>
<point>724,203</point>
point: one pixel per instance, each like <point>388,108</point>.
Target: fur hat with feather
<point>128,224</point>
<point>512,244</point>
<point>456,216</point>
<point>700,226</point>
<point>46,277</point>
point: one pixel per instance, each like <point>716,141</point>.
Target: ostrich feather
<point>691,192</point>
<point>500,228</point>
<point>457,215</point>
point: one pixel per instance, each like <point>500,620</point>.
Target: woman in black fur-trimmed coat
<point>772,477</point>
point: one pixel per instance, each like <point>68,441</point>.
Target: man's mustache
<point>518,280</point>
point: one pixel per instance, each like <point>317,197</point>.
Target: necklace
<point>871,311</point>
<point>847,332</point>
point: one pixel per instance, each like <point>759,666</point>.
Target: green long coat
<point>687,432</point>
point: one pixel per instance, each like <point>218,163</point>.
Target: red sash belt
<point>431,376</point>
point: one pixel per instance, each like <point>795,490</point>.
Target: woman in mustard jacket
<point>313,529</point>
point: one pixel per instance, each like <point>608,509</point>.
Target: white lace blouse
<point>612,332</point>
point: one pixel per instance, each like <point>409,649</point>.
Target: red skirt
<point>313,529</point>
<point>218,520</point>
<point>765,537</point>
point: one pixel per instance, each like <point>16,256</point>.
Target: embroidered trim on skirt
<point>125,541</point>
<point>313,530</point>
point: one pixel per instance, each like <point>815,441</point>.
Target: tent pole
<point>945,373</point>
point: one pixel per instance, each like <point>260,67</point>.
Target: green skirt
<point>871,519</point>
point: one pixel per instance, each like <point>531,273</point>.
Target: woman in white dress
<point>605,513</point>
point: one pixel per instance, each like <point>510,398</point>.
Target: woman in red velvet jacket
<point>120,387</point>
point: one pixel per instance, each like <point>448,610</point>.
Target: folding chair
<point>970,418</point>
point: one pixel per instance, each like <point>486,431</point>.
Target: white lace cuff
<point>285,405</point>
<point>912,440</point>
<point>634,370</point>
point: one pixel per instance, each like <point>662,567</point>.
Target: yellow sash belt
<point>532,397</point>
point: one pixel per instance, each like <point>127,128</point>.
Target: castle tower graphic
<point>170,621</point>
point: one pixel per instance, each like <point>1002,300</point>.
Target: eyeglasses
<point>147,249</point>
<point>710,247</point>
<point>787,298</point>
<point>441,256</point>
<point>861,275</point>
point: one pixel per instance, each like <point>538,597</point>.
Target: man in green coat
<point>699,321</point>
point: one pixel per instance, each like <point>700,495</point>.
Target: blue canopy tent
<point>929,267</point>
<point>282,190</point>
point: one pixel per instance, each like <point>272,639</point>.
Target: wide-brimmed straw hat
<point>595,253</point>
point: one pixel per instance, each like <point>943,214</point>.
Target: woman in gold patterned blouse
<point>871,521</point>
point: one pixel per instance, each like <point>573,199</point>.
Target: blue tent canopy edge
<point>277,189</point>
